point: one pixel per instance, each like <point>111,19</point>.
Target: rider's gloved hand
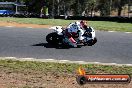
<point>78,31</point>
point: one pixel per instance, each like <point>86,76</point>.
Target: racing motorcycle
<point>57,36</point>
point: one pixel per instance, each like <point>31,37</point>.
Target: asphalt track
<point>112,47</point>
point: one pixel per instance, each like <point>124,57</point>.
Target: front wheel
<point>91,42</point>
<point>94,41</point>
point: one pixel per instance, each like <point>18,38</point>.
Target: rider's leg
<point>80,37</point>
<point>70,41</point>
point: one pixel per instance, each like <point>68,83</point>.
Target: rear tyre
<point>51,38</point>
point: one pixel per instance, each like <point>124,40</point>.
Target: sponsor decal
<point>84,78</point>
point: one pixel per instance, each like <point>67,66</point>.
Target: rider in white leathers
<point>73,29</point>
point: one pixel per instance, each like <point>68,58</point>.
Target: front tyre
<point>94,41</point>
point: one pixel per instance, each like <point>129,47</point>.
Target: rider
<point>76,28</point>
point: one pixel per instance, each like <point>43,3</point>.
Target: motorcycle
<point>57,36</point>
<point>89,37</point>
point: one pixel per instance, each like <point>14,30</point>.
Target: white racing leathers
<point>74,28</point>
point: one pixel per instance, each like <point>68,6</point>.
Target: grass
<point>98,25</point>
<point>112,26</point>
<point>37,21</point>
<point>44,67</point>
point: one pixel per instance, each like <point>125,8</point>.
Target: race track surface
<point>112,47</point>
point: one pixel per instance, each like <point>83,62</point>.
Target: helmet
<point>83,24</point>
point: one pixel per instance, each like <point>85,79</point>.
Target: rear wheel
<point>51,38</point>
<point>54,39</point>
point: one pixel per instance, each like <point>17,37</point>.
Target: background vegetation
<point>77,7</point>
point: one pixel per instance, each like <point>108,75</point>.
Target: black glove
<point>78,31</point>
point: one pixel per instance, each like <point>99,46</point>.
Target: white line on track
<point>9,57</point>
<point>124,32</point>
<point>96,62</point>
<point>129,64</point>
<point>9,26</point>
<point>64,60</point>
<point>111,31</point>
<point>29,27</point>
<point>61,61</point>
<point>128,32</point>
<point>49,59</point>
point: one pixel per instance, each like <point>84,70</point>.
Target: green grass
<point>37,21</point>
<point>112,26</point>
<point>44,67</point>
<point>98,25</point>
